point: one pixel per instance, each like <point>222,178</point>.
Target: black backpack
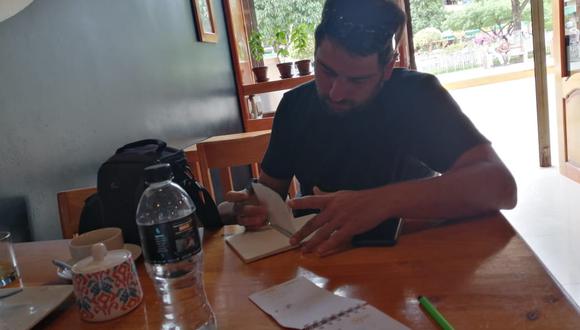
<point>120,183</point>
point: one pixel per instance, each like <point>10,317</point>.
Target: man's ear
<point>388,70</point>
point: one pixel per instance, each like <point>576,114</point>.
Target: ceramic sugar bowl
<point>106,284</point>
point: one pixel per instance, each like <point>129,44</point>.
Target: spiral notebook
<point>300,304</point>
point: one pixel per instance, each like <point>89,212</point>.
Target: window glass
<point>571,27</point>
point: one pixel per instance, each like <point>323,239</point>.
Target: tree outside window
<point>274,16</point>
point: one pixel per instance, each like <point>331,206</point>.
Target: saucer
<point>25,309</point>
<point>67,275</point>
<point>134,249</point>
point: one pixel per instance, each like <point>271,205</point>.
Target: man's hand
<point>343,214</point>
<point>247,209</point>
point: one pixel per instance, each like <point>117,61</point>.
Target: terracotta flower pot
<point>261,73</point>
<point>303,67</point>
<point>285,70</point>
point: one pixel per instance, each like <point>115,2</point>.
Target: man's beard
<point>353,107</point>
<point>328,108</point>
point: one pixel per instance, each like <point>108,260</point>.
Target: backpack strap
<point>206,209</point>
<point>91,215</point>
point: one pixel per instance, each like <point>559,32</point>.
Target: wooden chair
<point>193,159</point>
<point>70,206</point>
<point>226,151</point>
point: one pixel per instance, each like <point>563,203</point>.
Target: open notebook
<point>273,239</point>
<point>300,304</point>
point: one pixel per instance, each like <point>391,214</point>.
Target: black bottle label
<point>171,241</point>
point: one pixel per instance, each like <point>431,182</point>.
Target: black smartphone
<point>385,234</point>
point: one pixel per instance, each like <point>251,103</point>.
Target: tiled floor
<point>548,212</point>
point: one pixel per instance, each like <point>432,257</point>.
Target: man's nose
<point>338,90</point>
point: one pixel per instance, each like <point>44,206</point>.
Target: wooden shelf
<point>259,124</point>
<point>239,26</point>
<point>275,85</point>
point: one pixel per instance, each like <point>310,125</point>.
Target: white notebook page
<point>299,302</point>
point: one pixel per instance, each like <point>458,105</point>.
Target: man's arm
<point>478,182</point>
<point>278,185</point>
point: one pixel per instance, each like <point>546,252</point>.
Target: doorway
<point>474,45</point>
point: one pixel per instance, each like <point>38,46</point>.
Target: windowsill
<point>276,85</point>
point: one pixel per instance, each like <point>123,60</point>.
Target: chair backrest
<point>70,206</point>
<point>193,159</point>
<point>226,151</point>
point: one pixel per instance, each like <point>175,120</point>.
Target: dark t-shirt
<point>413,122</point>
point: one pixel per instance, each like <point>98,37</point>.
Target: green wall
<point>79,78</point>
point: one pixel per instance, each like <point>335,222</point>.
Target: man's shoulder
<point>406,84</point>
<point>305,90</point>
<point>409,93</point>
<point>405,77</point>
<point>298,102</point>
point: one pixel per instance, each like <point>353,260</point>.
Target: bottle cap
<point>158,173</point>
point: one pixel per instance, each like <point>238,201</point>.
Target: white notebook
<point>300,304</point>
<point>257,244</point>
<point>274,238</point>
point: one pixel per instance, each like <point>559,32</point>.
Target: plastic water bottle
<point>172,250</point>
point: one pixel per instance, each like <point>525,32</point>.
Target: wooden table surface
<point>479,273</point>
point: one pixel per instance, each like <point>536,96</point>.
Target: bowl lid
<point>100,259</point>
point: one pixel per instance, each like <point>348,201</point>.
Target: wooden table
<point>479,273</point>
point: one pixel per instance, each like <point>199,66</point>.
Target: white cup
<point>80,246</point>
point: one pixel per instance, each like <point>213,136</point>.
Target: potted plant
<point>281,45</point>
<point>257,52</point>
<point>299,41</point>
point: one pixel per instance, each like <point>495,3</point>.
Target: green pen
<point>434,313</point>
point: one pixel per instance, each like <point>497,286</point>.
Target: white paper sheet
<point>300,304</point>
<point>366,317</point>
<point>279,213</point>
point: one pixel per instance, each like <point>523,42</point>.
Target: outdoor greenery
<point>518,7</point>
<point>287,27</point>
<point>274,16</point>
<point>281,44</point>
<point>427,38</point>
<point>427,14</point>
<point>471,33</point>
<point>256,46</point>
<point>493,18</point>
<point>496,18</point>
<point>302,40</point>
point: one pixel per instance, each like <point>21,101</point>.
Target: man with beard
<point>370,142</point>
